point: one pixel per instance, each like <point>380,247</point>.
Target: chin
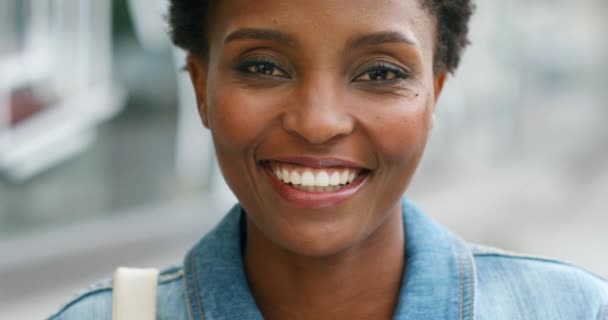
<point>320,241</point>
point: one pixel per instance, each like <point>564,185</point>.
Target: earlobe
<point>202,110</point>
<point>198,76</point>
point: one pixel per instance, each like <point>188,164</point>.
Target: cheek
<point>400,130</point>
<point>237,119</point>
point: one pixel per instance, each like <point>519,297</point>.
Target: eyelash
<point>386,69</point>
<point>246,67</point>
<point>253,66</point>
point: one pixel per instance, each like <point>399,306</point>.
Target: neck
<point>361,282</point>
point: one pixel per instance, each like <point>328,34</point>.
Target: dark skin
<point>277,84</point>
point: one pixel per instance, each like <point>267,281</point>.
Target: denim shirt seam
<point>462,276</point>
<point>165,278</point>
<point>517,256</point>
<point>473,284</point>
<point>81,296</point>
<point>463,257</point>
<point>497,253</point>
<point>193,289</point>
<point>187,287</point>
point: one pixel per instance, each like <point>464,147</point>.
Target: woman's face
<point>334,97</point>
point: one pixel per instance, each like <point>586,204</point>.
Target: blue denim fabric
<point>444,278</point>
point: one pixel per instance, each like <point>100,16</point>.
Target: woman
<point>320,111</point>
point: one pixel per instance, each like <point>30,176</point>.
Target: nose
<point>318,113</point>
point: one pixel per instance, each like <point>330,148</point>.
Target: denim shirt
<point>444,278</point>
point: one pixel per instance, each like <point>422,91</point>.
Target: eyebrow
<point>379,38</point>
<point>261,34</point>
<point>371,39</point>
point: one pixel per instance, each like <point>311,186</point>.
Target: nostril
<point>318,127</point>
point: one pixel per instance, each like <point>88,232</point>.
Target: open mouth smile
<point>319,186</point>
<point>314,180</point>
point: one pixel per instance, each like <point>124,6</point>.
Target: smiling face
<point>320,111</point>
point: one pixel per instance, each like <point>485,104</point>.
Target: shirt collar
<point>437,281</point>
<point>438,278</point>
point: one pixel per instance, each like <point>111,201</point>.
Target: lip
<point>316,200</point>
<point>318,163</point>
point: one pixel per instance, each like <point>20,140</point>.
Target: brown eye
<point>382,72</point>
<point>265,68</point>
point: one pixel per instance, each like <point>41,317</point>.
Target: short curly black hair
<point>187,22</point>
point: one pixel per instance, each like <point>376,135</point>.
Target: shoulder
<point>498,262</point>
<point>95,302</point>
<point>540,285</point>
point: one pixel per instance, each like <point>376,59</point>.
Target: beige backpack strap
<point>134,294</point>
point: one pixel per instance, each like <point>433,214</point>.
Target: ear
<point>197,69</point>
<point>438,82</point>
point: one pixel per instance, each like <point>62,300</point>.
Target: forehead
<point>329,21</point>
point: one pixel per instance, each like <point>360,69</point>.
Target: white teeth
<point>344,177</point>
<point>317,180</point>
<point>351,177</point>
<point>316,189</point>
<point>295,178</point>
<point>286,175</point>
<point>335,179</point>
<point>322,179</point>
<point>308,179</point>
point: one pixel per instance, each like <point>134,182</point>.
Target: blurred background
<point>104,162</point>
